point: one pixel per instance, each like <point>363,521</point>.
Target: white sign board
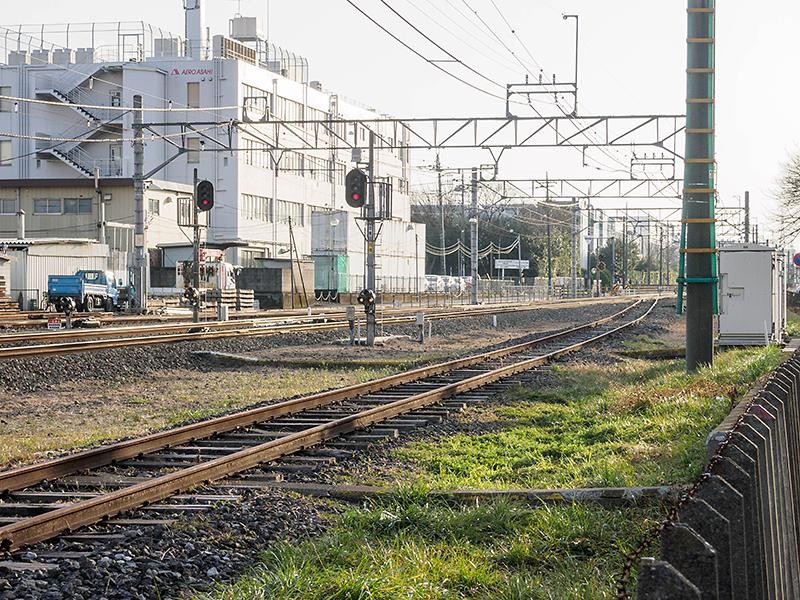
<point>54,323</point>
<point>502,263</point>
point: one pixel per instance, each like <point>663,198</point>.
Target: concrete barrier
<point>736,533</point>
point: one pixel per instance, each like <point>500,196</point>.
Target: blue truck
<point>85,291</point>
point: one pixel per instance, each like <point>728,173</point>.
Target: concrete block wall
<point>736,535</point>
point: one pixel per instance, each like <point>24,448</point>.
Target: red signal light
<point>356,187</point>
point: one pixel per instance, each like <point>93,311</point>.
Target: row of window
<point>50,206</point>
<point>259,208</point>
<point>256,155</point>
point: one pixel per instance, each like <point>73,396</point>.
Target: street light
<point>334,270</point>
<point>410,227</point>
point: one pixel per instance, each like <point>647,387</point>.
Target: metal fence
<point>490,291</point>
<point>735,534</point>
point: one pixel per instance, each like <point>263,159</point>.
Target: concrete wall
<point>735,535</point>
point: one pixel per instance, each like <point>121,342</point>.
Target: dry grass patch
<point>35,427</point>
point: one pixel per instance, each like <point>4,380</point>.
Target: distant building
<point>65,112</point>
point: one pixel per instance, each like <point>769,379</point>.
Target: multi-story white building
<point>225,109</point>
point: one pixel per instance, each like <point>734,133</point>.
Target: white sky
<point>632,61</point>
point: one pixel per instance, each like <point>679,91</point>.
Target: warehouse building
<point>222,109</point>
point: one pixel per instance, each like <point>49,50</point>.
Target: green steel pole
<point>699,250</point>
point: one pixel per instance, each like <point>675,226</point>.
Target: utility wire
<point>407,22</point>
<point>431,62</point>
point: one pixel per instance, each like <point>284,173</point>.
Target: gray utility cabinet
<point>752,298</point>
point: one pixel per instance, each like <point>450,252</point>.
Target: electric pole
<point>441,209</point>
<point>371,236</point>
<point>747,217</point>
<point>473,240</point>
<point>698,251</point>
<point>139,245</point>
<point>574,261</point>
<point>195,252</point>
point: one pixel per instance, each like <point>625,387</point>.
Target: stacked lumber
<point>6,304</point>
<point>238,299</point>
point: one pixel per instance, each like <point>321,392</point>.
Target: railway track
<point>45,500</point>
<point>26,345</point>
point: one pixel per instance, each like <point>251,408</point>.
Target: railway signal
<point>204,197</point>
<point>367,299</point>
<point>355,184</point>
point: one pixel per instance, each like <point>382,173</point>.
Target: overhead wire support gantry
<point>499,132</point>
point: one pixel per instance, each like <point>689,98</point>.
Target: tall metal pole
<point>613,260</point>
<point>698,206</point>
<point>747,217</point>
<point>473,239</point>
<point>416,263</point>
<point>441,210</point>
<point>660,256</point>
<point>371,236</point>
<point>195,250</point>
<point>549,241</point>
<point>574,261</point>
<point>461,245</point>
<point>139,246</point>
<point>575,111</point>
<point>625,249</point>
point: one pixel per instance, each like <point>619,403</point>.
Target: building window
<point>6,105</point>
<point>290,210</point>
<point>289,110</point>
<point>256,208</point>
<point>248,258</point>
<point>193,94</point>
<point>257,103</point>
<point>77,206</point>
<point>7,206</point>
<point>115,98</point>
<point>154,206</point>
<point>256,154</point>
<point>5,154</point>
<point>46,206</point>
<point>185,211</point>
<point>193,144</point>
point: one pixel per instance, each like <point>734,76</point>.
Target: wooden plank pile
<point>6,303</point>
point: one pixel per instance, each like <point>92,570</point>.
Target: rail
<point>84,512</point>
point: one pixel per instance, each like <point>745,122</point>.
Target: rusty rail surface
<point>50,524</point>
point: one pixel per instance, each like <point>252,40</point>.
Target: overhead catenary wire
<point>428,60</point>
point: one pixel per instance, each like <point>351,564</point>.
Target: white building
<point>223,108</point>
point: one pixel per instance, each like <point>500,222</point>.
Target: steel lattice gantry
<point>500,133</point>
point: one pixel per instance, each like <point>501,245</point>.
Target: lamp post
<point>416,261</point>
<point>334,270</point>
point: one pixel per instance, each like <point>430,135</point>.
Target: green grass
<point>792,324</point>
<point>632,423</point>
<point>400,549</point>
<point>635,423</point>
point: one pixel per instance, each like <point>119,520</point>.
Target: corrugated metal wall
<point>35,263</point>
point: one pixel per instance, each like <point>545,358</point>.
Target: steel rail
<point>389,316</point>
<point>22,477</point>
<point>79,514</point>
<point>224,330</point>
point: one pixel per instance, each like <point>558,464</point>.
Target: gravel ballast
<point>220,545</point>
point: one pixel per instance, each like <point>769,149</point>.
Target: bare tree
<point>787,212</point>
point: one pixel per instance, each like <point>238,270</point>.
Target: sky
<point>631,61</point>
